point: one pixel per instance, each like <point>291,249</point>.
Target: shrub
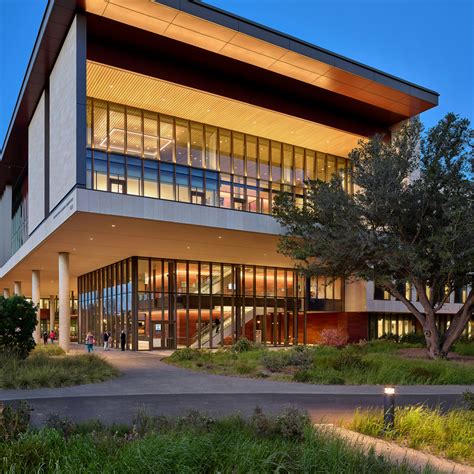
<point>14,421</point>
<point>243,345</point>
<point>63,424</point>
<point>17,323</point>
<point>302,375</point>
<point>261,424</point>
<point>49,350</point>
<point>389,336</point>
<point>468,400</point>
<point>349,361</point>
<point>333,337</point>
<point>185,354</point>
<point>300,356</point>
<point>413,338</point>
<point>292,423</point>
<point>197,420</point>
<point>274,361</point>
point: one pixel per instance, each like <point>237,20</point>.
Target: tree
<point>410,219</point>
<point>17,323</point>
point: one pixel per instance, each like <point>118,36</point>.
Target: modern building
<point>138,172</point>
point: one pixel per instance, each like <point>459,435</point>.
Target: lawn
<point>449,434</point>
<point>48,366</point>
<point>375,362</point>
<point>193,443</point>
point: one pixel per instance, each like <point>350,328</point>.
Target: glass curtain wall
<point>162,303</point>
<point>143,153</point>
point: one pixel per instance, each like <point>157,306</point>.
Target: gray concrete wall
<point>36,166</point>
<point>5,225</point>
<point>63,120</point>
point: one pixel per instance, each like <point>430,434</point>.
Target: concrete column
<point>17,288</point>
<point>6,292</point>
<point>35,298</point>
<point>64,304</point>
<point>51,313</point>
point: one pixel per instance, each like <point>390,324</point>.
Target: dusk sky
<point>428,42</point>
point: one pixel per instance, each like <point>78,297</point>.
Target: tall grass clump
<point>41,369</point>
<point>449,434</point>
<point>192,443</point>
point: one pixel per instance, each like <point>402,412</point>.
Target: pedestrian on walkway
<point>218,324</point>
<point>106,337</point>
<point>123,340</point>
<point>52,336</point>
<point>45,337</point>
<point>90,341</point>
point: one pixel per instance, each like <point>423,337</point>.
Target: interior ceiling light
<point>120,133</point>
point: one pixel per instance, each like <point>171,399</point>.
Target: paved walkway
<point>148,383</point>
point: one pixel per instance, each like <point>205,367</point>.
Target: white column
<point>6,292</point>
<point>35,298</point>
<point>17,288</point>
<point>64,304</point>
<point>51,312</point>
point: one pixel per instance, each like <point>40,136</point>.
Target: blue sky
<point>428,42</point>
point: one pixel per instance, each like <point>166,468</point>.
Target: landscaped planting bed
<point>448,434</point>
<point>193,443</point>
<point>374,362</point>
<point>49,366</point>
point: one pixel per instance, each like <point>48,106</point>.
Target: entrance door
<point>117,185</point>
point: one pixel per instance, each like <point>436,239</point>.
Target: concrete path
<point>162,389</point>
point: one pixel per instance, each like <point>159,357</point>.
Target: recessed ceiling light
<point>74,249</point>
<point>113,225</point>
<point>264,254</point>
<point>91,238</point>
<point>188,248</point>
<point>220,237</point>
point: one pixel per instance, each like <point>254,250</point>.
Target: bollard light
<point>388,408</point>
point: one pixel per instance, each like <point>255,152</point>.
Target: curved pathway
<point>164,389</point>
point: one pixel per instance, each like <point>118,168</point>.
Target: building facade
<point>137,177</point>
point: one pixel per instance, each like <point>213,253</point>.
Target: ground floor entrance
<point>158,303</point>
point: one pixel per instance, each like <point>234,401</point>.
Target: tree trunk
<point>434,341</point>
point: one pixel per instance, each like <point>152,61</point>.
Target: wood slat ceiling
<point>135,90</point>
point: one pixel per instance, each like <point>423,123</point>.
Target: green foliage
<point>374,362</point>
<point>413,338</point>
<point>468,400</point>
<point>465,348</point>
<point>411,219</point>
<point>47,349</point>
<point>449,434</point>
<point>184,354</point>
<point>17,323</point>
<point>243,345</point>
<point>43,370</point>
<point>287,443</point>
<point>14,421</point>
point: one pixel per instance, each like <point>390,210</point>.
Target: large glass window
<point>127,143</point>
<point>134,132</point>
<point>251,144</point>
<point>197,147</point>
<point>182,142</point>
<point>166,138</point>
<point>238,146</point>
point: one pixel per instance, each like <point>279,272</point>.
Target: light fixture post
<point>388,408</point>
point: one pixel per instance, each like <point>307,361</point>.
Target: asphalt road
<point>122,408</point>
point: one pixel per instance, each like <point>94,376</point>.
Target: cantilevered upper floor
<point>178,101</point>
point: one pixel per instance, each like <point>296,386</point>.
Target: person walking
<point>106,337</point>
<point>90,342</point>
<point>218,324</point>
<point>52,336</point>
<point>123,340</point>
<point>45,337</point>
